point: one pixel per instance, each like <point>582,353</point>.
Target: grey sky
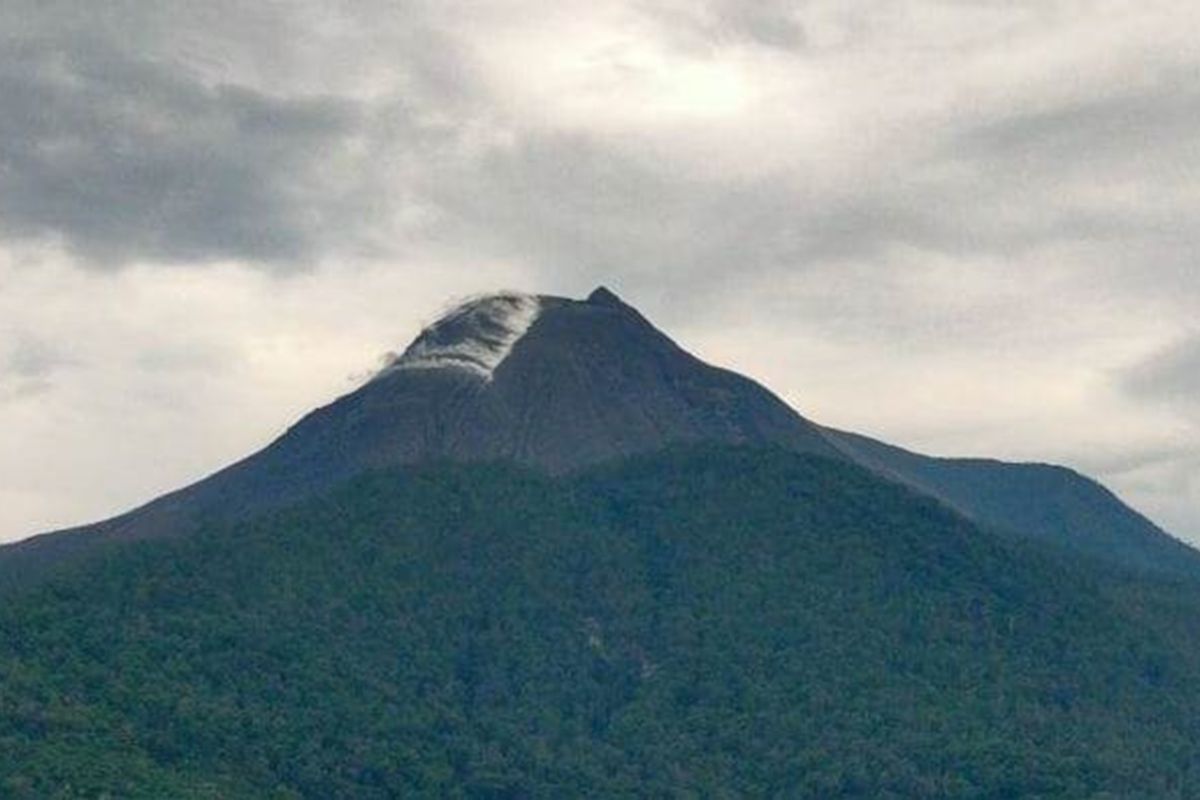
<point>965,227</point>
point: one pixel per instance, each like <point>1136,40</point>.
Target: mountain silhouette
<point>559,385</point>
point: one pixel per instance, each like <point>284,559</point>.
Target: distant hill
<point>1042,501</point>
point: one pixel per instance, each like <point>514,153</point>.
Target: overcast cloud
<point>965,227</point>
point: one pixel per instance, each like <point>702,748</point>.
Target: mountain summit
<point>559,385</point>
<point>551,383</point>
<point>547,382</point>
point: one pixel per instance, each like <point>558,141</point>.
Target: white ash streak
<point>475,336</point>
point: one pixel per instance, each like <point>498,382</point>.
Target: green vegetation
<point>713,622</point>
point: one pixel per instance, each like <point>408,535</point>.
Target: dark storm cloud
<point>124,159</point>
<point>128,157</point>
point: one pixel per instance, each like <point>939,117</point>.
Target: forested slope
<point>713,621</point>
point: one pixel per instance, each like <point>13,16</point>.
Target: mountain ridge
<point>1039,500</point>
<point>559,385</point>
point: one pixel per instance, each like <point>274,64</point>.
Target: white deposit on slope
<point>476,336</point>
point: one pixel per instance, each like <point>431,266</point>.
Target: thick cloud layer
<point>124,160</point>
<point>211,213</point>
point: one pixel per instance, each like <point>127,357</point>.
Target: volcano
<point>559,385</point>
<point>545,552</point>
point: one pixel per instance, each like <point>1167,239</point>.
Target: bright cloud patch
<point>476,336</point>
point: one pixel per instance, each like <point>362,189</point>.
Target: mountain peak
<point>549,382</point>
<point>602,296</point>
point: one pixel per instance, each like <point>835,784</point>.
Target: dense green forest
<point>709,622</point>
